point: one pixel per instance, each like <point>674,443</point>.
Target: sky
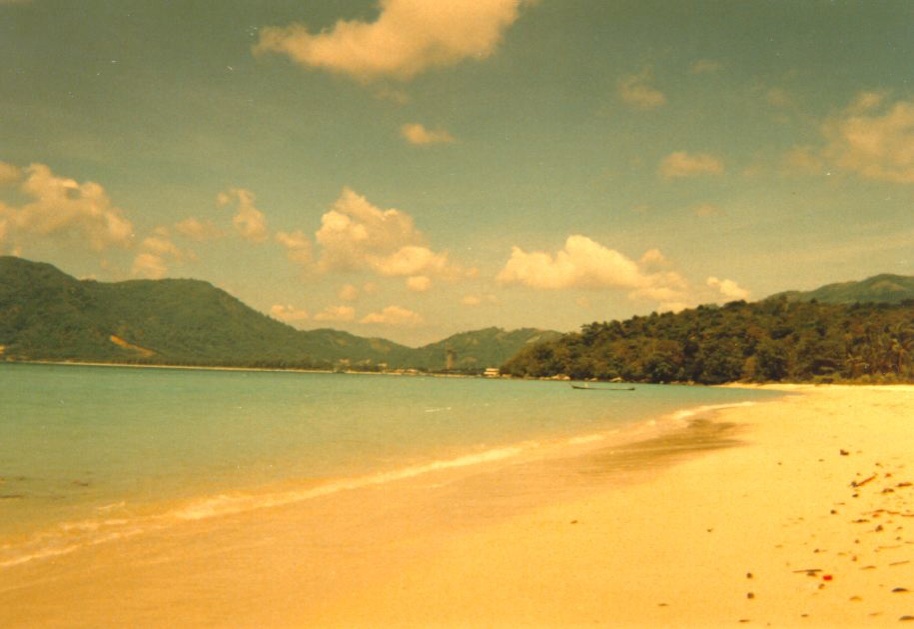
<point>410,169</point>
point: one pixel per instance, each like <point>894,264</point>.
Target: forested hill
<point>885,288</point>
<point>771,340</point>
<point>46,314</point>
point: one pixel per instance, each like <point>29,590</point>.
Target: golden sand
<point>796,513</point>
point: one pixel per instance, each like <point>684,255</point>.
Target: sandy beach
<point>792,513</point>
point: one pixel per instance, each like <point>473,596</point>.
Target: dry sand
<point>802,516</point>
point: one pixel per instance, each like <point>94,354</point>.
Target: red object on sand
<point>826,577</point>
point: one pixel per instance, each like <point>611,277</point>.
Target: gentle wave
<point>115,521</point>
<point>685,415</point>
<point>71,536</point>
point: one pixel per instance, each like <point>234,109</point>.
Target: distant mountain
<point>46,314</point>
<point>470,351</point>
<point>884,288</point>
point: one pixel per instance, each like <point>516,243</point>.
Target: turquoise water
<point>93,453</point>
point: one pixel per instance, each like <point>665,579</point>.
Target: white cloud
<point>478,300</point>
<point>417,134</point>
<point>411,260</point>
<point>9,174</point>
<point>683,164</point>
<point>394,316</point>
<point>419,283</point>
<point>249,222</point>
<point>297,246</point>
<point>150,266</point>
<point>160,245</point>
<point>155,252</point>
<point>288,313</point>
<point>336,314</point>
<point>728,288</point>
<point>583,263</point>
<point>652,258</point>
<point>803,160</point>
<point>636,91</point>
<point>356,235</point>
<point>873,139</point>
<point>197,230</point>
<point>348,293</point>
<point>62,207</point>
<point>408,38</point>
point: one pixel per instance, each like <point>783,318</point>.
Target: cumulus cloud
<point>155,253</point>
<point>249,222</point>
<point>394,316</point>
<point>297,246</point>
<point>584,263</point>
<point>336,314</point>
<point>873,139</point>
<point>728,288</point>
<point>407,38</point>
<point>61,207</point>
<point>9,174</point>
<point>197,230</point>
<point>356,235</point>
<point>348,293</point>
<point>418,135</point>
<point>636,91</point>
<point>803,160</point>
<point>683,164</point>
<point>149,266</point>
<point>288,313</point>
<point>418,283</point>
<point>478,300</point>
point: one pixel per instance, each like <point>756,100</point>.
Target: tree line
<point>768,341</point>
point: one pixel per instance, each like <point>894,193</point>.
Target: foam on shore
<point>120,520</point>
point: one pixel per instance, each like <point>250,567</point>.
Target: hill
<point>46,314</point>
<point>772,340</point>
<point>884,288</point>
<point>474,351</point>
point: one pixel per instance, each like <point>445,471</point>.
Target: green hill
<point>46,314</point>
<point>772,340</point>
<point>477,350</point>
<point>884,288</point>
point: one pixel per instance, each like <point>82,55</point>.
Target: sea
<point>90,454</point>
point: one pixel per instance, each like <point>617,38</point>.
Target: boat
<point>587,387</point>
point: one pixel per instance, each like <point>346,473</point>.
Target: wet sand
<point>797,512</point>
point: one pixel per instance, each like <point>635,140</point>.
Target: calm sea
<point>89,454</point>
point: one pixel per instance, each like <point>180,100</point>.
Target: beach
<point>797,512</point>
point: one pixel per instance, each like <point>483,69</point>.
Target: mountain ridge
<point>46,314</point>
<point>882,288</point>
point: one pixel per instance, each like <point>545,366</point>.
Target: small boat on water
<point>586,387</point>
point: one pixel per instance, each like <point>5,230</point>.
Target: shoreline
<point>753,522</point>
<point>61,538</point>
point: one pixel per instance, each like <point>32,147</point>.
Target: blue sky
<point>414,168</point>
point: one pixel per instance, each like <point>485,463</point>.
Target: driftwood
<point>810,571</point>
<point>863,482</point>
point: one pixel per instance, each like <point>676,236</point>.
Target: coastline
<point>651,535</point>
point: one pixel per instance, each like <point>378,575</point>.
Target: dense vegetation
<point>46,314</point>
<point>884,289</point>
<point>772,340</point>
